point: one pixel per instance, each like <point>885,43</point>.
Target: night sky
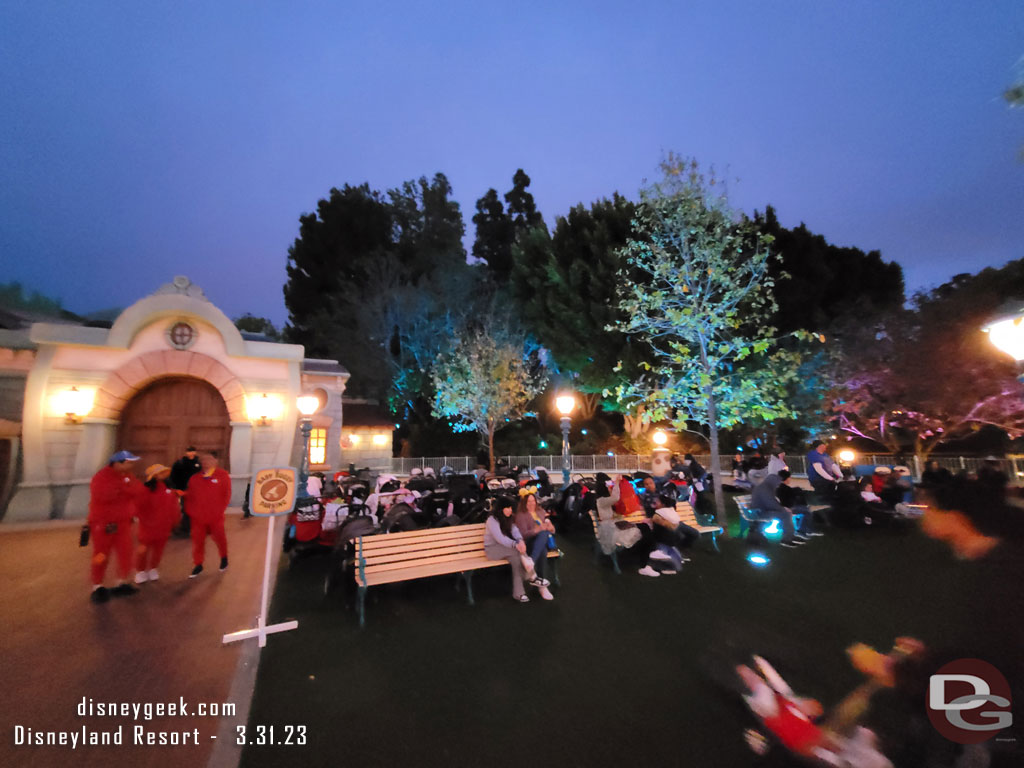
<point>140,140</point>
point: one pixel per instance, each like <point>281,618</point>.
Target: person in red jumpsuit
<point>208,494</point>
<point>157,512</point>
<point>113,493</point>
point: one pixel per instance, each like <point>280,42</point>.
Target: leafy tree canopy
<point>565,286</point>
<point>819,283</point>
<point>486,379</point>
<point>252,324</point>
<point>498,228</point>
<point>927,375</point>
<point>702,303</point>
<point>355,266</point>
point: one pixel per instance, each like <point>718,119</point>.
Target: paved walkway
<point>159,646</point>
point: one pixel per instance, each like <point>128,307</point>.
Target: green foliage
<point>703,279</point>
<point>498,229</point>
<point>927,375</point>
<point>486,379</point>
<point>820,284</point>
<point>14,296</point>
<point>698,289</point>
<point>575,312</point>
<point>371,280</point>
<point>252,324</point>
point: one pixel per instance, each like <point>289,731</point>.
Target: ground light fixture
<point>1006,329</point>
<point>758,560</point>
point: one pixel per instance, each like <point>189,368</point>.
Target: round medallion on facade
<point>181,335</point>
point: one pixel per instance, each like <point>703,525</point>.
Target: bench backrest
<point>410,549</point>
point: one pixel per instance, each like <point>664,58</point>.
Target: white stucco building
<point>170,372</point>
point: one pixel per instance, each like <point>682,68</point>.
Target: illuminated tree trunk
<point>715,469</point>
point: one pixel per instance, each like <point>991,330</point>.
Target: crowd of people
<point>194,493</point>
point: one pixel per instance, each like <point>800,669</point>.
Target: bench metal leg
<point>615,561</point>
<point>362,607</point>
<point>714,542</point>
<point>554,568</point>
<point>468,576</point>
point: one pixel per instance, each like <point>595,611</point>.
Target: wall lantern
<point>381,440</point>
<point>73,404</point>
<point>263,409</point>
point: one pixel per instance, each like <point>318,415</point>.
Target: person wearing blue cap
<point>112,495</point>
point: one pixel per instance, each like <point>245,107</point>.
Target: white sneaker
<point>669,572</point>
<point>154,574</point>
<point>648,571</point>
<point>141,577</point>
<point>546,593</point>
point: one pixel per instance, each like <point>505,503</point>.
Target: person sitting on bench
<point>766,502</point>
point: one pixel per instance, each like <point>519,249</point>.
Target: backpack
<point>628,502</point>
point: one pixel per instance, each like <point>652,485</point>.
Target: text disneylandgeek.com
<point>138,734</point>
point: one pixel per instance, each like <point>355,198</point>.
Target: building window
<point>318,446</point>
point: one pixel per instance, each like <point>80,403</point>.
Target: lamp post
<point>307,405</point>
<point>565,403</point>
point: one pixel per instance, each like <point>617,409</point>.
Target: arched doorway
<point>169,415</point>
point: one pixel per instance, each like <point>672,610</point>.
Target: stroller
<point>795,723</point>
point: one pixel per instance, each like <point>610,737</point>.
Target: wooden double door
<point>169,415</point>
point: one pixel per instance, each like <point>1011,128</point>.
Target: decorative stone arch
<point>119,387</point>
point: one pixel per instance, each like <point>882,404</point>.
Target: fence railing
<point>1013,466</point>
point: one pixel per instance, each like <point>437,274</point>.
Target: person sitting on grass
<point>536,529</point>
<point>503,541</point>
<point>765,500</point>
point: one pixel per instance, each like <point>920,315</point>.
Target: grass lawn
<point>618,670</point>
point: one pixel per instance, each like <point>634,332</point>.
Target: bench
<point>394,557</point>
<point>752,520</point>
<point>686,515</point>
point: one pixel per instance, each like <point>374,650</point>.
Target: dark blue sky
<point>140,140</point>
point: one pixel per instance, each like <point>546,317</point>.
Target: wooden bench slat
<point>377,573</point>
<point>423,553</point>
<point>434,569</point>
<point>412,546</point>
<point>426,534</point>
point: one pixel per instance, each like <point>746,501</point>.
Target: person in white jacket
<point>503,541</point>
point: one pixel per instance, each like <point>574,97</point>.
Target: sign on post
<point>273,491</point>
<point>271,494</point>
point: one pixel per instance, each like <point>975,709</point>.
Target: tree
<point>926,375</point>
<point>252,324</point>
<point>820,284</point>
<point>703,293</point>
<point>486,379</point>
<point>366,271</point>
<point>498,229</point>
<point>575,315</point>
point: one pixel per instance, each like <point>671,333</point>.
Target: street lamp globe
<point>1006,331</point>
<point>847,456</point>
<point>307,404</point>
<point>659,437</point>
<point>565,403</point>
